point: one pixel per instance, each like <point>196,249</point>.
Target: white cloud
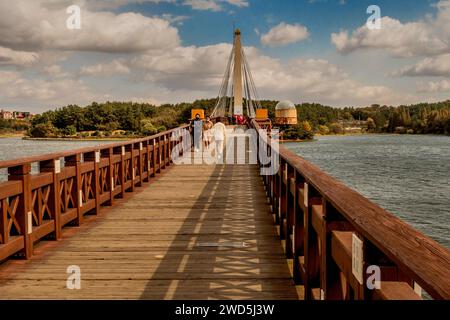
<point>14,88</point>
<point>203,5</point>
<point>115,67</point>
<point>238,3</point>
<point>284,34</point>
<point>402,40</point>
<point>10,57</point>
<point>194,68</point>
<point>433,66</point>
<point>419,38</point>
<point>214,5</point>
<point>54,71</point>
<point>434,86</point>
<point>173,19</point>
<point>317,80</point>
<point>31,26</point>
<point>199,70</point>
<point>99,4</point>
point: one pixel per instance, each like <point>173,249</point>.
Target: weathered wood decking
<point>160,243</point>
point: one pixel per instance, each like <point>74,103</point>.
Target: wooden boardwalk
<point>161,243</point>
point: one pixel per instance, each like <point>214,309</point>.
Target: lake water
<point>14,148</point>
<point>409,175</point>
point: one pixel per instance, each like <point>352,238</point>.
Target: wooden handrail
<point>404,253</point>
<point>34,206</point>
<point>37,158</point>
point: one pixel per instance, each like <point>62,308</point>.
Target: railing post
<point>298,228</point>
<point>141,164</point>
<point>180,142</point>
<point>109,153</point>
<point>282,199</point>
<point>290,211</point>
<point>54,166</point>
<point>325,257</point>
<point>75,161</point>
<point>149,164</point>
<point>122,171</point>
<point>360,292</point>
<point>163,152</point>
<point>24,215</point>
<point>169,148</point>
<point>132,166</point>
<point>154,156</point>
<point>158,154</point>
<point>95,158</point>
<point>116,174</point>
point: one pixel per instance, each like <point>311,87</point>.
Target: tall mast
<point>237,85</point>
<point>237,74</point>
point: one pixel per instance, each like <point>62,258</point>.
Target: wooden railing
<point>71,184</point>
<point>335,236</point>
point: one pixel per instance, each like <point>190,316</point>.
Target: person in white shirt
<point>220,133</point>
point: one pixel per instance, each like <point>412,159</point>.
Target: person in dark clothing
<point>197,130</point>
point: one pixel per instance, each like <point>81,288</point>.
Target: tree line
<point>146,119</point>
<point>13,125</point>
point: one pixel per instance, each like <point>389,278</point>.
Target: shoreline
<point>77,139</point>
<point>12,135</point>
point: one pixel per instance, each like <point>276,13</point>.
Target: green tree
<point>147,128</point>
<point>323,130</point>
<point>301,131</point>
<point>336,128</point>
<point>69,130</point>
<point>371,126</point>
<point>43,130</point>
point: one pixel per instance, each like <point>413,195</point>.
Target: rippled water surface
<point>409,175</point>
<point>14,148</point>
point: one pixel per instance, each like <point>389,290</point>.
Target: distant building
<point>19,115</point>
<point>6,114</point>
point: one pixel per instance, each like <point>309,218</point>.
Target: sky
<point>168,51</point>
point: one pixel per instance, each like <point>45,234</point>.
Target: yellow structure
<point>201,112</point>
<point>262,114</point>
<point>285,113</point>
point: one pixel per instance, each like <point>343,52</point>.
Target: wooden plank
<point>393,290</point>
<point>47,227</point>
<point>13,245</point>
<point>317,218</point>
<point>341,251</point>
<point>10,188</point>
<point>69,216</point>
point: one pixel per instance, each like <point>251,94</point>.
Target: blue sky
<point>175,50</point>
<point>322,17</point>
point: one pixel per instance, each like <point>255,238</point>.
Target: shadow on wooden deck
<point>235,253</point>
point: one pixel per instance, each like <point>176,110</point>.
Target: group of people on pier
<point>205,131</point>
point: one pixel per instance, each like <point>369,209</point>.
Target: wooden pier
<point>140,227</point>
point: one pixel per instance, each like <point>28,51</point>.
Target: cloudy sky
<point>176,50</point>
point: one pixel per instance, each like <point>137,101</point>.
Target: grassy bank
<point>12,134</point>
